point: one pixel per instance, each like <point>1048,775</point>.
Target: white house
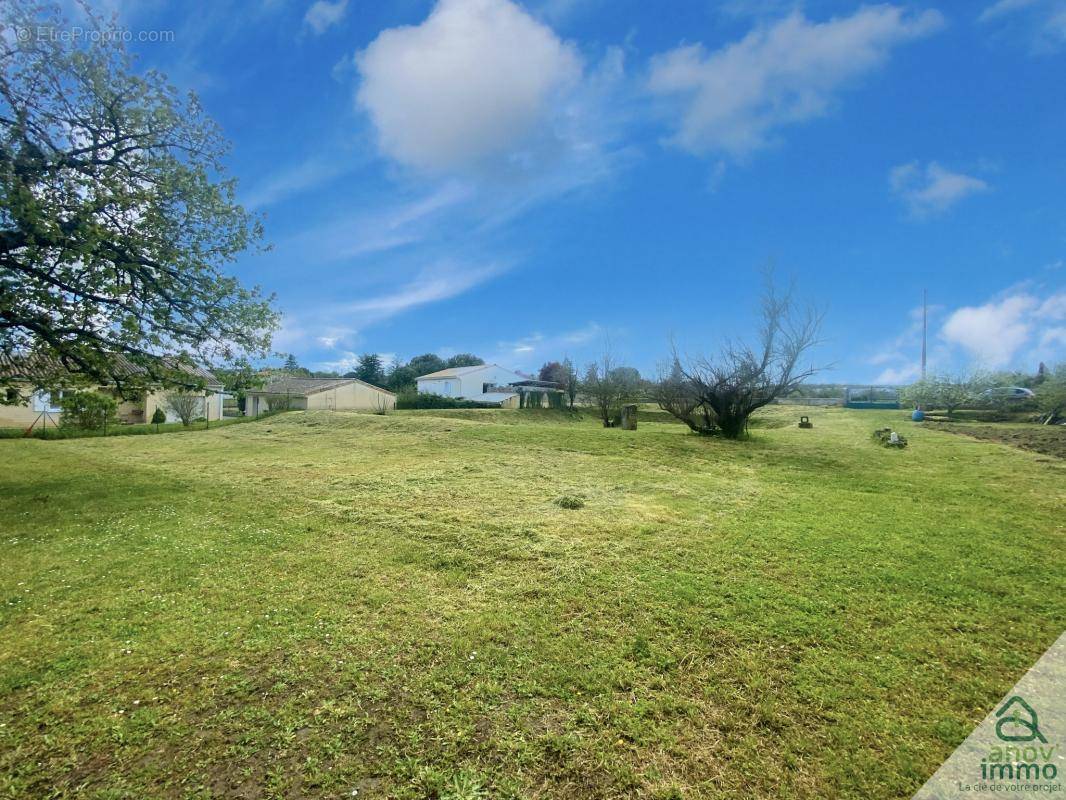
<point>472,383</point>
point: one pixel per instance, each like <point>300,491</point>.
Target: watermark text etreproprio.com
<point>77,34</point>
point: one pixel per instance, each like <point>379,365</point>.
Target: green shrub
<point>427,400</point>
<point>1051,396</point>
<point>279,402</point>
<point>569,501</point>
<point>159,417</point>
<point>88,410</point>
<point>139,429</point>
<point>883,436</point>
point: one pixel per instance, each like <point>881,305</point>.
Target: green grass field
<point>338,605</point>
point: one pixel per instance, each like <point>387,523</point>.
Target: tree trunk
<point>733,424</point>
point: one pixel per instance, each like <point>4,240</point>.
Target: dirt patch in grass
<point>1050,440</point>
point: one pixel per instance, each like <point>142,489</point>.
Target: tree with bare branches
<point>718,395</point>
<point>676,395</point>
<point>571,381</point>
<point>185,405</point>
<point>608,387</point>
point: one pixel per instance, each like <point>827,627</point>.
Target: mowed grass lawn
<point>338,605</point>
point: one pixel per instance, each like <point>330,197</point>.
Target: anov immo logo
<point>1016,751</point>
<point>1028,756</point>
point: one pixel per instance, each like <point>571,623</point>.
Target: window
<point>42,401</point>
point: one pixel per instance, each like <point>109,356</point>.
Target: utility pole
<point>925,328</point>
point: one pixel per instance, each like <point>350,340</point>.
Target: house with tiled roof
<point>36,407</point>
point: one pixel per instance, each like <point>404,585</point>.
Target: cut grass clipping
<point>570,501</point>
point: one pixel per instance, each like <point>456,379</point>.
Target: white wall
<point>210,406</point>
<point>473,382</point>
<point>446,387</point>
<point>470,383</point>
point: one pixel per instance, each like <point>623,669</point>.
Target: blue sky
<point>525,180</point>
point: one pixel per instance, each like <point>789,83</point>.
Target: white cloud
<point>900,358</point>
<point>994,332</point>
<point>1053,337</point>
<point>1043,22</point>
<point>294,180</point>
<point>1018,328</point>
<point>1004,7</point>
<point>474,82</point>
<point>344,362</point>
<point>291,337</point>
<point>336,337</point>
<point>441,282</point>
<point>348,361</point>
<point>337,327</point>
<point>582,335</point>
<point>531,351</point>
<point>1054,308</point>
<point>354,235</point>
<point>755,9</point>
<point>323,15</point>
<point>894,376</point>
<point>735,98</point>
<point>933,189</point>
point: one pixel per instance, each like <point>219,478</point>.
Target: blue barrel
<point>918,415</point>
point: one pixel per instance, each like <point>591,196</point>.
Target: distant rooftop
<point>301,387</point>
<point>455,372</point>
<point>36,365</point>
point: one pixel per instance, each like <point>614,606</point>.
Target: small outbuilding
<point>323,394</point>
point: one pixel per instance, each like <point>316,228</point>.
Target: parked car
<point>1008,393</point>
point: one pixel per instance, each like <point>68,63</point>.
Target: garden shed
<point>324,394</point>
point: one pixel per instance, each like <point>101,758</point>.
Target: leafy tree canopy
<point>427,363</point>
<point>239,377</point>
<point>371,369</point>
<point>552,371</point>
<point>464,360</point>
<point>400,378</point>
<point>115,221</point>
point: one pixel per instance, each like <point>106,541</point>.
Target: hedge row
<point>425,400</point>
<point>143,429</point>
